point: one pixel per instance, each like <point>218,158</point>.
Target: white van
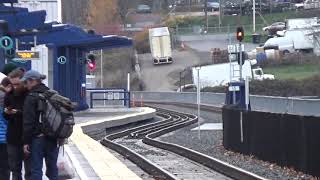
<point>293,40</point>
<point>284,44</point>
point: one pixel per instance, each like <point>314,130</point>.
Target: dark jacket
<point>31,114</point>
<point>15,121</point>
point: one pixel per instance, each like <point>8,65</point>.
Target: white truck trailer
<point>160,45</point>
<point>221,74</point>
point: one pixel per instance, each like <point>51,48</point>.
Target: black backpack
<point>56,115</point>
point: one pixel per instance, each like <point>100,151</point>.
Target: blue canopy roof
<point>69,35</point>
<point>54,34</point>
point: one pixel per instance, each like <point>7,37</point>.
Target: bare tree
<point>124,10</point>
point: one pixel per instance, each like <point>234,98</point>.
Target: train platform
<point>89,158</point>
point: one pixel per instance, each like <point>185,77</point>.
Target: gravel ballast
<point>211,144</point>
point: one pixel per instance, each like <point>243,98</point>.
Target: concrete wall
<point>259,103</point>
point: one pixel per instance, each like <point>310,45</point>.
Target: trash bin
<point>256,38</point>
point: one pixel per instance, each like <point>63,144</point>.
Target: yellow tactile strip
<point>105,165</point>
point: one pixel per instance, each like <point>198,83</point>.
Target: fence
<point>108,98</point>
<point>288,140</point>
<point>299,106</point>
<point>196,30</point>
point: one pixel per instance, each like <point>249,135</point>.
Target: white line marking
<point>76,164</point>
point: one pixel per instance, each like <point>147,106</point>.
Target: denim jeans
<point>44,148</point>
<point>4,167</point>
<point>16,157</point>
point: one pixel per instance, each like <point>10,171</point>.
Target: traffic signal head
<point>91,61</point>
<point>240,34</point>
<point>243,58</point>
<point>10,53</point>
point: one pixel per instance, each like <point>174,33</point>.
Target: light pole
<point>198,99</point>
<point>219,15</point>
<point>254,16</point>
<point>206,13</point>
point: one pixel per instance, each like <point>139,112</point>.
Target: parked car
<point>273,28</point>
<point>231,8</point>
<point>213,5</point>
<point>142,8</point>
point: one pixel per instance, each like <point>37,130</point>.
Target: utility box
<point>236,95</point>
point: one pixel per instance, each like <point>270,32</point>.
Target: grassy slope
<point>244,20</point>
<point>294,71</point>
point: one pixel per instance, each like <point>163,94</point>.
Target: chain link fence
<point>197,30</point>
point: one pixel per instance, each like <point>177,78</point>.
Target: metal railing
<point>109,98</point>
<point>291,105</point>
<point>194,30</point>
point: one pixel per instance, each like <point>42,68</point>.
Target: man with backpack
<point>36,142</point>
<point>47,119</point>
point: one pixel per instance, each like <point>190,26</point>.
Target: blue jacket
<point>3,128</point>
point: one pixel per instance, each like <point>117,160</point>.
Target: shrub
<point>285,88</point>
<point>141,42</point>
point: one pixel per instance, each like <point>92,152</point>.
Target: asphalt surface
<point>204,43</point>
<point>164,77</point>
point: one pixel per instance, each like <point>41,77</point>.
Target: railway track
<point>170,161</point>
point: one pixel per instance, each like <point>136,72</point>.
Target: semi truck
<point>160,45</point>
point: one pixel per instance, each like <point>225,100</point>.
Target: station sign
<point>6,42</point>
<point>235,48</point>
<point>234,88</point>
<point>27,55</point>
<point>62,60</point>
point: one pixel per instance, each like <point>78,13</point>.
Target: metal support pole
<point>241,126</point>
<point>184,79</point>
<point>17,44</point>
<point>35,41</point>
<point>206,13</point>
<point>220,15</point>
<point>180,85</point>
<point>254,16</point>
<point>240,60</point>
<point>101,68</point>
<point>128,82</point>
<point>198,101</point>
<point>229,36</point>
<point>247,89</point>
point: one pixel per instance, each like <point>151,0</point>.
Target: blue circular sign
<point>62,60</point>
<point>6,42</point>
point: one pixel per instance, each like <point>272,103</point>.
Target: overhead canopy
<point>69,35</point>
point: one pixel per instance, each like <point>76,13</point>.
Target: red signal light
<point>240,34</point>
<point>91,60</point>
<point>91,66</point>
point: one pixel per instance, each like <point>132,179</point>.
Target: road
<point>204,43</point>
<point>164,77</point>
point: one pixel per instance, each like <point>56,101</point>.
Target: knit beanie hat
<point>8,68</point>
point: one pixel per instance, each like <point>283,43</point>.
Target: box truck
<point>160,45</point>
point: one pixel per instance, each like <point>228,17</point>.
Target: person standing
<point>4,166</point>
<point>13,104</point>
<point>36,142</point>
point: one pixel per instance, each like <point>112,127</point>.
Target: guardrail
<point>299,106</point>
<point>103,97</point>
